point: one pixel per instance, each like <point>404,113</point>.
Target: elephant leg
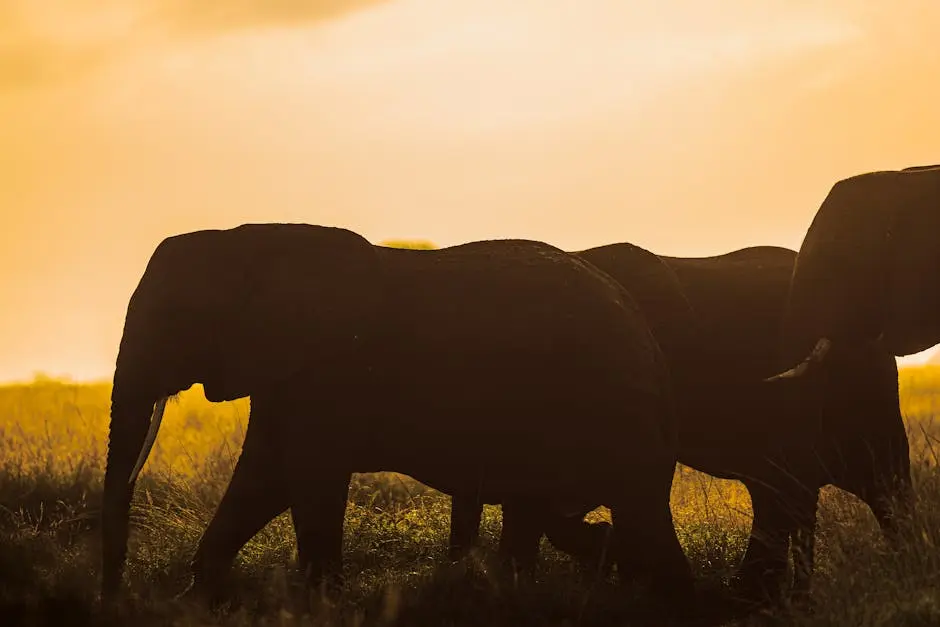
<point>318,510</point>
<point>647,551</point>
<point>890,507</point>
<point>588,543</point>
<point>521,533</point>
<point>255,495</point>
<point>465,514</point>
<point>803,511</point>
<point>763,569</point>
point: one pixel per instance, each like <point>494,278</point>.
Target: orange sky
<point>577,122</point>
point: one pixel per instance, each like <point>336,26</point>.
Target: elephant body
<point>505,369</point>
<point>718,320</point>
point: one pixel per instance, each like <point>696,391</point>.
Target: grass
<point>52,439</point>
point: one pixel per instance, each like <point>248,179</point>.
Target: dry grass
<point>52,438</point>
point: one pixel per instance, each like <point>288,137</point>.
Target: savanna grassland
<point>52,450</point>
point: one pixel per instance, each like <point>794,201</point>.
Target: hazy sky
<point>579,122</point>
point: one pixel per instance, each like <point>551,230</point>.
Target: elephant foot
<point>326,581</point>
<point>460,553</point>
<point>315,595</point>
<point>662,600</point>
<point>593,554</point>
<point>800,596</point>
<point>510,569</point>
<point>216,598</point>
<point>117,609</point>
<point>590,545</point>
<point>211,586</point>
<point>326,586</point>
<point>716,604</point>
<point>671,595</point>
<point>758,588</point>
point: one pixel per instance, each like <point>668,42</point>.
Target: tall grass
<point>52,447</point>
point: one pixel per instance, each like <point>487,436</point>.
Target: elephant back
<point>518,299</point>
<point>740,298</point>
<point>658,293</point>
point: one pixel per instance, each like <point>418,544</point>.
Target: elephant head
<point>869,268</point>
<point>237,310</point>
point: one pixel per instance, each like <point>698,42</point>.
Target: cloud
<point>50,41</point>
<point>499,68</point>
<point>25,64</point>
<point>206,16</point>
<point>46,42</point>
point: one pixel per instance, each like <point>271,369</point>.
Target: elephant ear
<point>912,313</point>
<point>838,289</point>
<point>309,298</point>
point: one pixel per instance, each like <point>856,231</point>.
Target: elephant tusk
<point>815,358</point>
<point>155,419</point>
<point>793,373</point>
<point>820,350</point>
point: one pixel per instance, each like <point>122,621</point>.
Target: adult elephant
<point>784,440</point>
<point>671,318</point>
<point>866,276</point>
<point>463,367</point>
<point>869,267</point>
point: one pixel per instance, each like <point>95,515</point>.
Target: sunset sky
<point>672,124</point>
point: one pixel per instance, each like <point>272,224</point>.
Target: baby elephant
<point>524,523</point>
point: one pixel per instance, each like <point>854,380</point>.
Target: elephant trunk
<point>131,435</point>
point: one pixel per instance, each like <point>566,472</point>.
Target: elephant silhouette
<point>505,368</point>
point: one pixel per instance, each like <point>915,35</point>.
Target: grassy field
<point>52,439</point>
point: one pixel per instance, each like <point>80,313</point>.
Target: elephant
<point>867,273</point>
<point>784,441</point>
<point>462,367</point>
<point>841,426</point>
<point>657,291</point>
<point>868,269</point>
